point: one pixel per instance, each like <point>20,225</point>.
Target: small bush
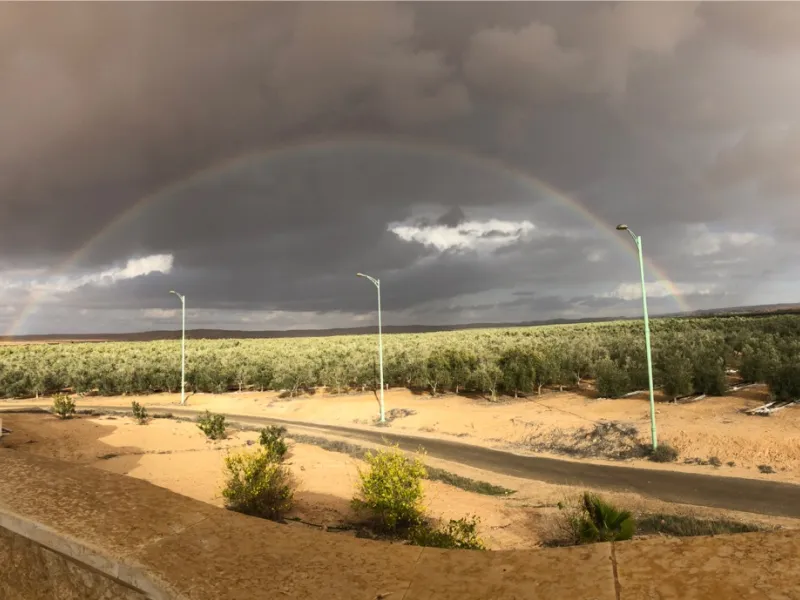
<point>460,534</point>
<point>687,526</point>
<point>391,490</point>
<point>714,461</point>
<point>139,412</point>
<point>612,380</point>
<point>766,469</point>
<point>63,406</point>
<point>257,485</point>
<point>663,453</point>
<point>592,519</point>
<point>272,440</point>
<point>212,425</point>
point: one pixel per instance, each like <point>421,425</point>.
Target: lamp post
<point>377,283</point>
<point>183,345</point>
<point>638,240</point>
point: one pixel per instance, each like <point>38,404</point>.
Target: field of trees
<point>691,356</point>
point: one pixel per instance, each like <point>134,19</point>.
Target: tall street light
<point>377,283</point>
<point>183,345</point>
<point>638,240</point>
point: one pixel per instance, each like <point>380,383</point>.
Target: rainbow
<point>307,146</point>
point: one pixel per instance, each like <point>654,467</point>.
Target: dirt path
<point>714,431</point>
<point>729,493</point>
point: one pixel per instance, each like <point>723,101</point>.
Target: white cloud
<point>703,242</point>
<point>470,235</point>
<point>134,267</point>
<point>659,289</point>
<point>596,256</point>
<point>159,313</point>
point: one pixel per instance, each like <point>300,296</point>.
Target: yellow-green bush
<point>258,485</point>
<point>63,406</point>
<point>273,442</point>
<point>212,425</point>
<point>391,490</point>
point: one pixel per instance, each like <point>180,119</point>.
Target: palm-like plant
<point>602,522</point>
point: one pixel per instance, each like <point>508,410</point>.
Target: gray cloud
<point>271,148</point>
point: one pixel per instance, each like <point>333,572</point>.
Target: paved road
<point>732,493</point>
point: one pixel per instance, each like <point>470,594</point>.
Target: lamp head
<point>622,227</point>
<point>360,275</point>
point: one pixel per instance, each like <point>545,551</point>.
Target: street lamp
<point>183,345</point>
<point>377,283</point>
<point>638,240</point>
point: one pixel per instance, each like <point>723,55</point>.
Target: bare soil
<point>177,456</point>
<point>712,431</point>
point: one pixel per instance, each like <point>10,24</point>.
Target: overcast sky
<point>475,157</point>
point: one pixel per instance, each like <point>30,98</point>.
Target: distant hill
<point>146,336</point>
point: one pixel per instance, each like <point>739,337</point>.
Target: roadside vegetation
<point>259,483</point>
<point>63,406</point>
<point>589,519</point>
<point>139,413</point>
<point>391,495</point>
<point>213,426</point>
<point>691,356</point>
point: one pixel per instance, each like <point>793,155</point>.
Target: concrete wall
<point>29,570</point>
<point>75,532</point>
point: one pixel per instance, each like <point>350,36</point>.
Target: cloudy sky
<point>475,157</point>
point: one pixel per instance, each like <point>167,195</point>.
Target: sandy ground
<point>557,424</point>
<point>177,456</point>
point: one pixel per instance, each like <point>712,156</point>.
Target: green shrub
<point>461,534</point>
<point>257,485</point>
<point>592,519</point>
<point>63,406</point>
<point>391,490</point>
<point>759,363</point>
<point>612,381</point>
<point>518,367</point>
<point>709,374</point>
<point>784,382</point>
<point>272,440</point>
<point>212,425</point>
<point>139,412</point>
<point>663,453</point>
<point>487,378</point>
<point>677,374</point>
<point>437,371</point>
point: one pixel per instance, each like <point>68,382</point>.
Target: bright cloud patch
<point>704,242</point>
<point>469,235</point>
<point>134,267</point>
<point>659,289</point>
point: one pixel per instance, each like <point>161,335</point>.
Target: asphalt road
<point>731,493</point>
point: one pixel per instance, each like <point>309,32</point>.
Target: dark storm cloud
<point>452,218</point>
<point>679,118</point>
